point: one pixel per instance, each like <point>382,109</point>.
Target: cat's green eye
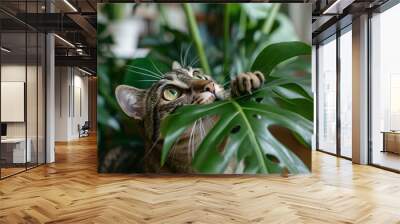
<point>171,94</point>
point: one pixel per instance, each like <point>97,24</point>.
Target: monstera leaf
<point>245,126</point>
<point>274,54</point>
<point>242,129</point>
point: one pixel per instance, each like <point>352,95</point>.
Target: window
<point>346,93</point>
<point>385,89</point>
<point>327,96</point>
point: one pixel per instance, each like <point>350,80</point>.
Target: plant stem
<point>271,18</point>
<point>194,30</point>
<point>242,23</point>
<point>162,14</point>
<point>226,39</point>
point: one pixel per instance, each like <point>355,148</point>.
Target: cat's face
<point>184,86</point>
<point>181,86</point>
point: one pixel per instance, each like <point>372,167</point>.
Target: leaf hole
<point>235,129</point>
<point>221,146</point>
<point>257,116</point>
<point>273,158</point>
<point>259,99</point>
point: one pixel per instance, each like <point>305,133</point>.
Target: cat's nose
<point>203,85</point>
<point>209,87</point>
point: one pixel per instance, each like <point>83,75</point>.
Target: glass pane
<point>31,98</point>
<point>346,94</point>
<point>385,86</point>
<point>327,97</point>
<point>13,86</point>
<point>32,87</point>
<point>41,99</point>
<point>23,87</point>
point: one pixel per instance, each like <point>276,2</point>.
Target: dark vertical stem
<point>45,89</point>
<point>317,97</point>
<point>26,86</point>
<point>369,96</point>
<point>37,89</point>
<point>338,98</point>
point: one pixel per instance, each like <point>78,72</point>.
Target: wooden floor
<point>10,171</point>
<point>71,191</point>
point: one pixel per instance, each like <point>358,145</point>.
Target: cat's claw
<point>246,83</point>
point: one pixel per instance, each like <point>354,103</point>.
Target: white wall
<point>71,94</point>
<point>33,127</point>
<point>12,73</point>
<point>16,73</point>
<point>61,103</point>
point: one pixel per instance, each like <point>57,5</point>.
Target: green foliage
<point>244,122</point>
<point>245,37</point>
<point>250,37</point>
<point>275,54</point>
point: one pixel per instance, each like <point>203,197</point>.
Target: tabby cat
<point>181,86</point>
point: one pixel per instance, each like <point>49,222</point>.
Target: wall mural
<point>204,88</point>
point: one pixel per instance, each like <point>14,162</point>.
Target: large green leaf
<point>285,101</point>
<point>239,121</point>
<point>274,54</point>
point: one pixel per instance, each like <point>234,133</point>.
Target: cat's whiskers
<point>145,70</point>
<point>226,83</point>
<point>174,148</point>
<point>203,131</point>
<point>196,138</point>
<point>200,131</point>
<point>209,123</point>
<point>151,148</point>
<point>158,70</point>
<point>181,55</point>
<point>194,61</point>
<point>191,137</point>
<point>144,74</point>
<point>146,80</point>
<point>186,55</point>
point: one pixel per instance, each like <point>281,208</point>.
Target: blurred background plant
<point>138,41</point>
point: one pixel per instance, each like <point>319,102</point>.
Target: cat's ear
<point>176,65</point>
<point>131,100</point>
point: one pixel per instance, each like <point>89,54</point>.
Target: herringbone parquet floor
<point>71,191</point>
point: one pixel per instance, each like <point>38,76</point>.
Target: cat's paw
<point>246,83</point>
